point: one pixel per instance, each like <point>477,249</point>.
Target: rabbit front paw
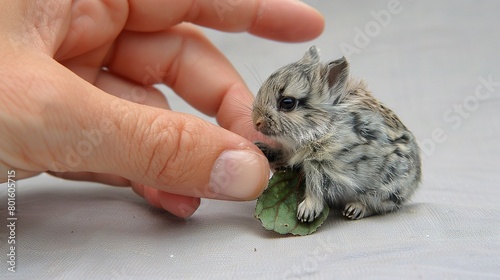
<point>309,209</point>
<point>273,155</point>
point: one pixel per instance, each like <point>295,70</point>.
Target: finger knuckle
<point>170,144</point>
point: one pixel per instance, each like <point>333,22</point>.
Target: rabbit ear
<point>338,71</point>
<point>311,56</point>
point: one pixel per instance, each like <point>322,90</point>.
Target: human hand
<point>78,99</point>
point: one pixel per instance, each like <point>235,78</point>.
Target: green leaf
<point>277,206</point>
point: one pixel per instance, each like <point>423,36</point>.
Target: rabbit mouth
<point>265,126</point>
<point>267,131</point>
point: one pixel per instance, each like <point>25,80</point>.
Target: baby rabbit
<point>354,152</point>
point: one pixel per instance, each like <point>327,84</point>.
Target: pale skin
<point>70,69</point>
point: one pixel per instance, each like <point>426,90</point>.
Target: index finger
<point>272,19</point>
<point>192,67</point>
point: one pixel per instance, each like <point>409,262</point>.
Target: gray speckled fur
<point>355,152</point>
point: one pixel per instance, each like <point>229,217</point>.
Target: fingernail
<point>239,174</point>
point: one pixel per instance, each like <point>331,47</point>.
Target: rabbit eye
<point>287,104</point>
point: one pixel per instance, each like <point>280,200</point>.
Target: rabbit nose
<point>259,123</point>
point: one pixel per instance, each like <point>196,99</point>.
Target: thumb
<point>172,152</point>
